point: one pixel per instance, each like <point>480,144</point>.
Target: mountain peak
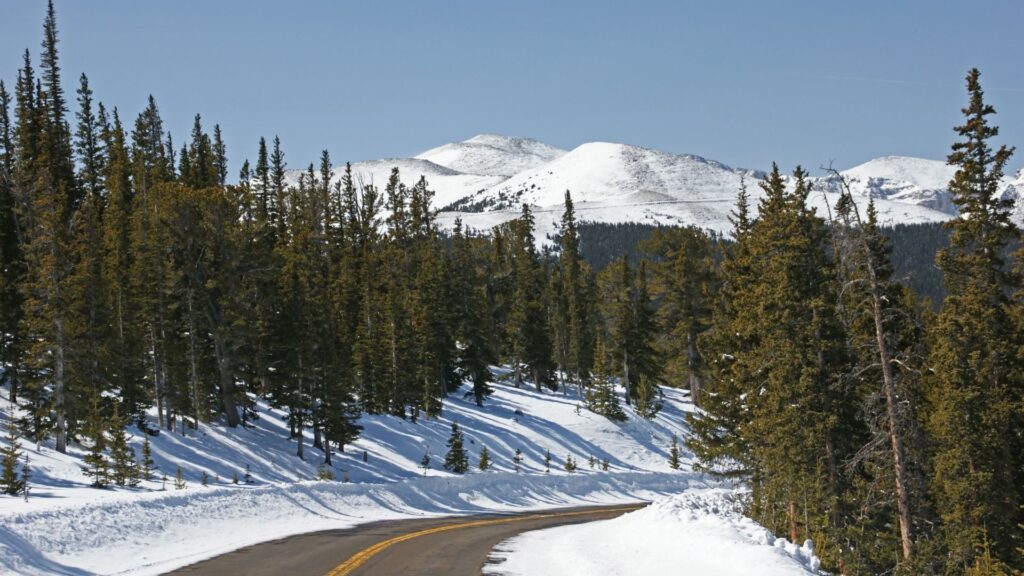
<point>492,155</point>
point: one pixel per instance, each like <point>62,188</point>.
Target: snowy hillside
<point>607,172</point>
<point>68,525</point>
<point>492,155</point>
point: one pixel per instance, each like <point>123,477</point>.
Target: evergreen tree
<point>685,285</point>
<point>485,459</point>
<point>601,397</point>
<point>632,333</point>
<point>88,146</point>
<point>579,330</point>
<point>529,339</point>
<point>456,460</point>
<point>147,465</point>
<point>12,263</point>
<point>673,454</point>
<point>975,372</point>
<point>780,355</point>
<point>179,480</point>
<point>122,456</point>
<point>468,278</point>
<point>11,453</point>
<point>517,459</point>
<point>97,466</point>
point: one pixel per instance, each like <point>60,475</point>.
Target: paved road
<point>447,547</point>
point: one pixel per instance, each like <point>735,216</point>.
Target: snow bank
<point>156,532</point>
<point>698,532</point>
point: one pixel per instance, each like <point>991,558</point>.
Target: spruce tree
<point>485,459</point>
<point>685,284</point>
<point>673,454</point>
<point>97,466</point>
<point>147,465</point>
<point>179,480</point>
<point>11,255</point>
<point>11,454</point>
<point>88,145</point>
<point>456,460</point>
<point>975,372</point>
<point>122,456</point>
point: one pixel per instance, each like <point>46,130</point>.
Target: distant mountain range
<point>484,181</point>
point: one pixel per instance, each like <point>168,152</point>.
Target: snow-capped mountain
<point>917,181</point>
<point>492,155</point>
<point>484,181</point>
<point>607,172</point>
<point>620,183</point>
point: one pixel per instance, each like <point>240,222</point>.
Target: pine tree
<point>601,397</point>
<point>122,456</point>
<point>456,460</point>
<point>632,332</point>
<point>517,459</point>
<point>470,299</point>
<point>179,480</point>
<point>11,453</point>
<point>579,330</point>
<point>778,355</point>
<point>975,377</point>
<point>12,263</point>
<point>425,462</point>
<point>485,459</point>
<point>147,465</point>
<point>685,283</point>
<point>88,145</point>
<point>97,466</point>
<point>547,460</point>
<point>673,454</point>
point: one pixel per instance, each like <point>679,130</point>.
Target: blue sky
<point>742,82</point>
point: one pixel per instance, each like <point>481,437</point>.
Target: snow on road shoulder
<point>697,532</point>
<point>157,532</point>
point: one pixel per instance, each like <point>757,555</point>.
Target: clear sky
<point>742,82</point>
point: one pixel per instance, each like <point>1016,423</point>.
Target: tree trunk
<point>691,364</point>
<point>791,518</point>
<point>58,388</point>
<point>193,373</point>
<point>227,381</point>
<point>317,440</point>
<point>625,378</point>
<point>898,456</point>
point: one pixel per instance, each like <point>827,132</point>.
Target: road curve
<point>456,546</point>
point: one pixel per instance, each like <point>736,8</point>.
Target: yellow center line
<point>361,557</point>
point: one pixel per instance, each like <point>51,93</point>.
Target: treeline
<point>914,247</point>
<point>136,278</point>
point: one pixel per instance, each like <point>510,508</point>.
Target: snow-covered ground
<point>67,527</point>
<point>697,532</point>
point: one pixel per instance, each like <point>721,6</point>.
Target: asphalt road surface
<point>435,547</point>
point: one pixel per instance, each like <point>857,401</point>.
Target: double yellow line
<point>361,557</point>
